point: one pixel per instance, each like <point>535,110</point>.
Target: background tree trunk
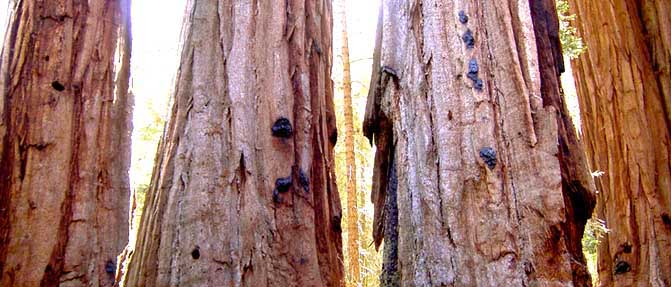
<point>243,191</point>
<point>624,87</point>
<point>64,143</point>
<point>350,163</point>
<point>478,170</point>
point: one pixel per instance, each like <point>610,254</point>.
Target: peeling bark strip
<point>481,182</point>
<point>624,87</point>
<point>64,143</point>
<point>230,203</point>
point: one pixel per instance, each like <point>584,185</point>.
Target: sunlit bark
<point>479,178</point>
<point>243,191</point>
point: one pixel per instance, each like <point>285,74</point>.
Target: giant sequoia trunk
<point>478,169</point>
<point>624,87</point>
<point>243,191</point>
<point>64,143</point>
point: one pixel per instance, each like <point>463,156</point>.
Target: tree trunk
<point>478,169</point>
<point>243,192</point>
<point>64,143</point>
<point>624,87</point>
<point>350,163</point>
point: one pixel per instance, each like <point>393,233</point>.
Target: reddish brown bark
<point>65,136</point>
<point>624,87</point>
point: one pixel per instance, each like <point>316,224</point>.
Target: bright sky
<point>4,8</point>
<point>154,62</point>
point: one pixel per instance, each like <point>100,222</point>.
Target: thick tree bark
<point>353,271</point>
<point>624,87</point>
<point>478,170</point>
<point>64,143</point>
<point>577,183</point>
<point>243,191</point>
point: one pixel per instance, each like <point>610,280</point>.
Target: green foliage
<point>595,229</point>
<point>151,132</point>
<point>145,141</point>
<point>572,44</point>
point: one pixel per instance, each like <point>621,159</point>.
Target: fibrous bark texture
<point>577,184</point>
<point>243,192</point>
<point>624,87</point>
<point>64,143</point>
<point>353,270</point>
<point>478,171</point>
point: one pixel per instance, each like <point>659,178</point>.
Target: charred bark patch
<point>284,183</point>
<point>56,85</point>
<point>622,267</point>
<point>472,74</point>
<point>488,155</point>
<point>110,266</point>
<point>473,67</point>
<point>336,224</point>
<point>666,219</point>
<point>276,196</point>
<point>304,180</point>
<point>478,84</point>
<point>390,274</point>
<point>463,18</point>
<point>333,137</point>
<point>195,253</point>
<point>282,128</point>
<point>468,39</point>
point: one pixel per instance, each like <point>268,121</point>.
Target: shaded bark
<point>577,184</point>
<point>64,143</point>
<point>350,162</point>
<point>624,88</point>
<point>243,191</point>
<point>466,112</point>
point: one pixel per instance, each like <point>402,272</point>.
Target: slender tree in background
<point>477,168</point>
<point>624,87</point>
<point>353,270</point>
<point>369,258</point>
<point>243,191</point>
<point>64,142</point>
